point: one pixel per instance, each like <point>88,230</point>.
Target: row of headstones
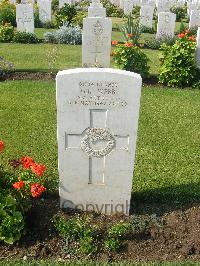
<point>96,146</point>
<point>166,20</point>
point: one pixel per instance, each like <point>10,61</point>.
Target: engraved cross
<point>98,119</point>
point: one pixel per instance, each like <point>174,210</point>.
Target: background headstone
<point>45,10</point>
<point>25,17</point>
<point>96,9</point>
<point>146,16</point>
<point>194,19</point>
<point>96,42</point>
<point>96,146</point>
<point>128,7</point>
<point>166,25</point>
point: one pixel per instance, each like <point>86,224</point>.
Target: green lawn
<point>167,161</point>
<point>34,57</point>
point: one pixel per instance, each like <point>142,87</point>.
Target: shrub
<point>156,43</point>
<point>7,13</point>
<point>130,57</point>
<point>112,10</point>
<point>37,21</point>
<point>12,224</point>
<point>147,29</point>
<point>178,62</point>
<point>6,32</point>
<point>116,233</point>
<point>65,15</point>
<point>6,68</point>
<point>131,29</point>
<point>65,35</point>
<point>78,18</point>
<point>17,188</point>
<point>55,6</point>
<point>181,12</point>
<point>77,229</point>
<point>25,37</point>
<point>182,27</point>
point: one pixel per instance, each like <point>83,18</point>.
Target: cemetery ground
<point>165,200</point>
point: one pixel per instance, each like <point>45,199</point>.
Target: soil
<point>152,80</point>
<point>174,235</point>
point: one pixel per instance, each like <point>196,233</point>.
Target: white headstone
<point>97,120</point>
<point>162,6</point>
<point>198,48</point>
<point>166,25</point>
<point>194,19</point>
<point>96,42</point>
<point>25,17</point>
<point>191,6</point>
<point>96,9</point>
<point>128,7</point>
<point>146,16</point>
<point>45,10</point>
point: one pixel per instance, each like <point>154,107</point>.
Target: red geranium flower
<point>128,44</point>
<point>192,38</point>
<point>2,145</point>
<point>38,169</point>
<point>18,185</point>
<point>26,162</point>
<point>181,35</point>
<point>130,35</point>
<point>37,190</point>
<point>114,42</point>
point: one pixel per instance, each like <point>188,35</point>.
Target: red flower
<point>130,35</point>
<point>18,185</point>
<point>37,190</point>
<point>38,169</point>
<point>26,162</point>
<point>128,44</point>
<point>2,145</point>
<point>114,42</point>
<point>192,38</point>
<point>181,35</point>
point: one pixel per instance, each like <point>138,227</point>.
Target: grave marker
<point>25,17</point>
<point>97,116</point>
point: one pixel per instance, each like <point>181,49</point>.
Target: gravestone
<point>96,9</point>
<point>162,6</point>
<point>128,7</point>
<point>96,42</point>
<point>198,48</point>
<point>194,19</point>
<point>166,25</point>
<point>25,17</point>
<point>97,120</point>
<point>146,16</point>
<point>191,6</point>
<point>45,10</point>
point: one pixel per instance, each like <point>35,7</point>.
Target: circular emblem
<point>98,28</point>
<point>97,134</point>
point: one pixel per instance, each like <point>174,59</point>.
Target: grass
<point>167,160</point>
<point>33,57</point>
